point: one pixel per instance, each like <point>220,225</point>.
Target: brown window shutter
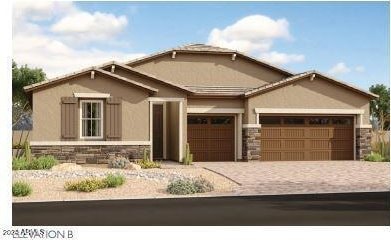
<point>69,118</point>
<point>113,119</point>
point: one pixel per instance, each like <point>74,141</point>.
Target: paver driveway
<point>294,177</point>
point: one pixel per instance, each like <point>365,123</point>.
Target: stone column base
<point>90,154</point>
<point>363,142</point>
<point>251,143</point>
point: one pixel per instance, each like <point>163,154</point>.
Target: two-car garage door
<point>306,138</point>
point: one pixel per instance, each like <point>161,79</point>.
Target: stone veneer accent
<point>251,143</point>
<point>90,154</point>
<point>363,142</point>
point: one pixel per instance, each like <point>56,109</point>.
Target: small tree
<point>380,107</point>
<point>21,77</point>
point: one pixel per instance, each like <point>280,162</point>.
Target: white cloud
<point>255,34</point>
<point>359,69</point>
<point>37,45</point>
<point>281,58</point>
<point>85,26</point>
<point>339,68</point>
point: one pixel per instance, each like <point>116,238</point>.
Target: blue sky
<point>347,40</point>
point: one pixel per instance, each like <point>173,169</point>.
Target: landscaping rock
<point>67,167</point>
<point>133,166</point>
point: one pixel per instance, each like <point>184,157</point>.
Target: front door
<point>157,131</point>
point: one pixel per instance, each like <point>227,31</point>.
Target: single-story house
<point>226,105</point>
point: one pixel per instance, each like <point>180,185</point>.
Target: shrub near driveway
<point>190,186</point>
<point>21,189</point>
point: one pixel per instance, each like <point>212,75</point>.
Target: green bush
<point>189,186</point>
<point>374,157</point>
<point>86,185</point>
<point>383,148</point>
<point>21,189</point>
<point>43,162</point>
<point>93,184</point>
<point>114,180</point>
<point>146,163</point>
<point>20,163</point>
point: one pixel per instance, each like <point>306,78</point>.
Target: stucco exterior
<point>307,94</point>
<point>47,110</point>
<point>167,79</point>
<point>210,69</point>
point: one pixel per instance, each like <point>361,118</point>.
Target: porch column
<point>251,142</point>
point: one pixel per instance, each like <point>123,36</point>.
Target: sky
<point>348,40</point>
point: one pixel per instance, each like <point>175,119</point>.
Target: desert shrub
<point>21,189</point>
<point>181,187</point>
<point>382,148</point>
<point>43,162</point>
<point>114,180</point>
<point>118,162</point>
<point>202,185</point>
<point>189,186</point>
<point>374,157</point>
<point>146,163</point>
<point>86,185</point>
<point>93,184</point>
<point>20,163</point>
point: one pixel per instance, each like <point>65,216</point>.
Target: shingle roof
<point>218,90</point>
<point>299,76</point>
<point>45,83</point>
<point>203,48</point>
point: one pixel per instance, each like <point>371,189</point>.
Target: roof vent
<point>233,57</point>
<point>312,77</point>
<point>112,68</point>
<point>173,54</point>
<point>92,74</point>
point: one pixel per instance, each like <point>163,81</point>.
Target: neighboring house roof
<point>203,48</point>
<point>218,90</point>
<point>313,74</point>
<point>144,74</point>
<point>66,77</point>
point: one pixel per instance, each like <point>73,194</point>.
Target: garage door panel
<point>307,138</point>
<point>293,133</point>
<point>272,132</point>
<point>320,155</point>
<point>271,144</point>
<point>211,138</point>
<point>294,143</point>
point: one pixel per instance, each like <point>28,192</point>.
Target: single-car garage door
<point>211,138</point>
<point>306,138</point>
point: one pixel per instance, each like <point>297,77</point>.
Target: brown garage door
<point>211,138</point>
<point>306,138</point>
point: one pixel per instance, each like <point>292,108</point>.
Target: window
<point>197,120</point>
<point>269,120</point>
<point>221,120</point>
<point>91,119</point>
<point>294,120</point>
<point>342,121</point>
<point>319,121</point>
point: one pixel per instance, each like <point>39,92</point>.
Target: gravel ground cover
<point>48,185</point>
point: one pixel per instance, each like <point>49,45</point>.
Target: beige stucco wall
<point>317,94</point>
<point>215,103</point>
<point>164,90</point>
<point>47,106</point>
<point>210,69</point>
